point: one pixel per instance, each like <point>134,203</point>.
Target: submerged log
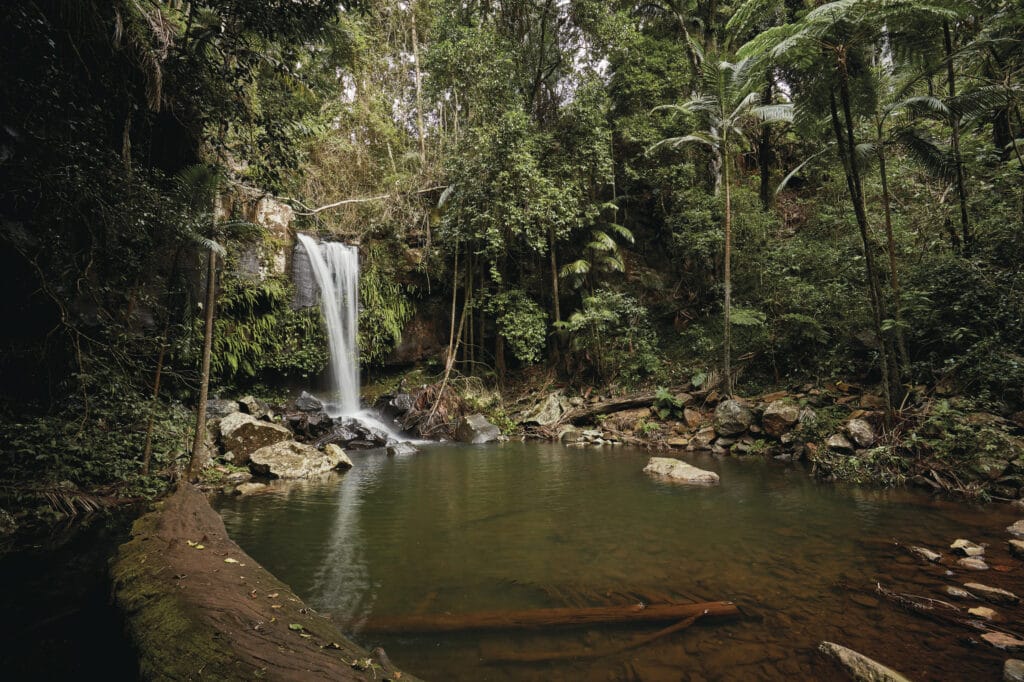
<point>543,618</point>
<point>546,656</point>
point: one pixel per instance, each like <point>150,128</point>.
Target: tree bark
<point>727,340</point>
<point>419,88</point>
<point>847,145</point>
<point>954,124</point>
<point>204,378</point>
<point>546,618</point>
<point>894,280</point>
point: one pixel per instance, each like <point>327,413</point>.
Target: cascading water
<point>336,270</point>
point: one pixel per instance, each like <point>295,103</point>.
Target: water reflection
<point>534,525</point>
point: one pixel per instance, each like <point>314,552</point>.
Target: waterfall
<point>336,270</point>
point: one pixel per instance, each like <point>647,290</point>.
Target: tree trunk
<point>764,156</point>
<point>894,280</point>
<point>199,441</point>
<point>847,146</point>
<point>545,618</point>
<point>954,124</point>
<point>419,89</point>
<point>727,338</point>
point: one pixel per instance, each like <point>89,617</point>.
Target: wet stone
<point>972,563</point>
<point>983,612</point>
<point>992,594</point>
<point>958,593</point>
<point>1017,548</point>
<point>1016,529</point>
<point>1013,670</point>
<point>1003,641</point>
<point>925,553</point>
<point>967,548</point>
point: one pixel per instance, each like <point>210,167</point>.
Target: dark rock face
<point>476,429</point>
<point>309,426</point>
<point>302,277</point>
<point>307,402</point>
<point>420,341</point>
<point>351,434</point>
<point>218,409</point>
<point>732,418</point>
<point>395,406</point>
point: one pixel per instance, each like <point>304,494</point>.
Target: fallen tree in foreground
<point>198,607</point>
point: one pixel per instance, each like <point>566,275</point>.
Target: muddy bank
<point>198,607</point>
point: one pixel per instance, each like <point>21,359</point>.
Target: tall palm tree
<point>729,100</point>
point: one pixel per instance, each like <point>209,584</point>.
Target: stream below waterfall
<point>531,525</point>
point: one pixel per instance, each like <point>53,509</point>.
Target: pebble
<point>1017,548</point>
<point>967,548</point>
<point>972,563</point>
<point>1003,641</point>
<point>1016,529</point>
<point>983,612</point>
<point>958,593</point>
<point>925,553</point>
<point>1013,670</point>
<point>992,594</point>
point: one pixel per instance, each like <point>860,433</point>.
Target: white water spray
<point>336,270</point>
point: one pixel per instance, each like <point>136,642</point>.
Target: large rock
<point>218,409</point>
<point>336,453</point>
<point>732,417</point>
<point>242,435</point>
<point>476,429</point>
<point>395,406</point>
<point>680,472</point>
<point>307,402</point>
<point>547,413</point>
<point>702,439</point>
<point>780,417</point>
<point>839,442</point>
<point>861,432</point>
<point>295,460</point>
<point>255,407</point>
<point>303,278</point>
<point>628,419</point>
<point>859,666</point>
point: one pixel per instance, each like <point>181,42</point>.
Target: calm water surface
<point>524,525</point>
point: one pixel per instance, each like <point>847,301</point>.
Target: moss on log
<point>198,607</point>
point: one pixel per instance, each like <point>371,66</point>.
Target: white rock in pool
<point>680,472</point>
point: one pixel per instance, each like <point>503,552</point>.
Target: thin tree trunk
<point>846,145</point>
<point>727,339</point>
<point>419,88</point>
<point>894,280</point>
<point>954,123</point>
<point>554,275</point>
<point>764,155</point>
<point>199,440</point>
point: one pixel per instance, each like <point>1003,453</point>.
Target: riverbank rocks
<point>780,417</point>
<point>861,432</point>
<point>336,453</point>
<point>860,666</point>
<point>732,418</point>
<point>839,443</point>
<point>548,412</point>
<point>680,472</point>
<point>218,408</point>
<point>250,488</point>
<point>307,402</point>
<point>255,408</point>
<point>295,460</point>
<point>992,594</point>
<point>925,553</point>
<point>983,612</point>
<point>1016,529</point>
<point>475,429</point>
<point>242,435</point>
<point>1017,548</point>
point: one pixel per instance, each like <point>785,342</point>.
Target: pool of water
<point>526,525</point>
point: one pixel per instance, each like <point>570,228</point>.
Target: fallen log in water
<point>546,656</point>
<point>542,618</point>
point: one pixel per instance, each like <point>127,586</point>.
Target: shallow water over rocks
<point>525,525</point>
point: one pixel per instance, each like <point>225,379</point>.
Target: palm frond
<point>936,161</point>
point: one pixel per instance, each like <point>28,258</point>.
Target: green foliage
<point>386,307</point>
<point>522,322</point>
<point>256,331</point>
<point>666,405</point>
<point>612,338</point>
